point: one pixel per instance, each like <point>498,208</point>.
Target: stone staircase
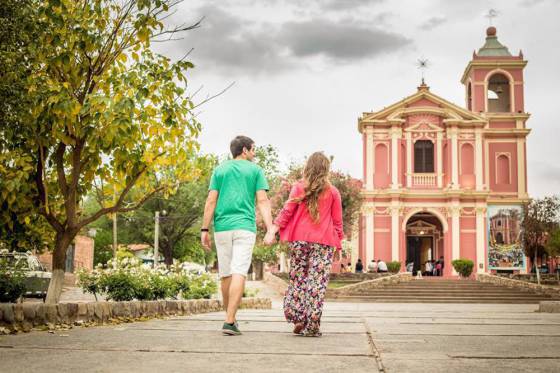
<point>438,290</point>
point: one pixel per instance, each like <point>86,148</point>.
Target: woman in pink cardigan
<point>311,222</point>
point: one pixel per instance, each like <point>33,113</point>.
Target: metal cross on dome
<point>422,64</point>
<point>492,13</point>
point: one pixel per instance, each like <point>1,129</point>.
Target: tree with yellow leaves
<point>104,113</point>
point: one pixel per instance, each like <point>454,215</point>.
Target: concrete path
<point>357,338</point>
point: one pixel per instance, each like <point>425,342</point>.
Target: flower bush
<point>126,279</point>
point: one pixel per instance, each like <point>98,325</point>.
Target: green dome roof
<point>492,47</point>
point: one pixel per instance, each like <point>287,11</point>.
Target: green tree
<point>20,228</point>
<point>178,236</point>
<point>105,111</point>
<point>539,221</point>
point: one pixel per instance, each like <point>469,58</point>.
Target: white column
<point>455,233</point>
<point>370,237</point>
<point>394,158</point>
<point>370,165</point>
<point>454,159</point>
<point>480,244</point>
<point>439,156</point>
<point>478,159</point>
<point>408,159</point>
<point>394,233</point>
<point>521,187</point>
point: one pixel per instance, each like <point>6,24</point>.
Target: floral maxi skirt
<point>310,266</point>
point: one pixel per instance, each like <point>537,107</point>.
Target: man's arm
<point>209,208</point>
<point>263,204</point>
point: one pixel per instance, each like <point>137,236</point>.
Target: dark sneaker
<point>229,329</point>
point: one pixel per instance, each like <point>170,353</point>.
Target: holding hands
<point>270,237</point>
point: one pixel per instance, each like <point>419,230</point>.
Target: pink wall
<point>510,148</point>
<point>382,177</point>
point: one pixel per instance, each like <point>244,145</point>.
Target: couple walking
<point>310,222</point>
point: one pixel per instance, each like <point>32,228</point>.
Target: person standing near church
<point>311,222</point>
<point>234,187</point>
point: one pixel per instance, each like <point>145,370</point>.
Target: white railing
<point>425,180</point>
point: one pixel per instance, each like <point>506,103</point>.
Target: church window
<point>423,156</point>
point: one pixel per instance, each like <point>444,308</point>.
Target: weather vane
<point>492,13</point>
<point>422,65</point>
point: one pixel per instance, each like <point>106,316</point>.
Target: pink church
<point>436,173</point>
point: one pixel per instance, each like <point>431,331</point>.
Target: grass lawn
<point>339,284</point>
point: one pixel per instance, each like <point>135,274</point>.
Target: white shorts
<point>235,251</point>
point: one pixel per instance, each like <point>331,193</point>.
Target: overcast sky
<point>304,70</point>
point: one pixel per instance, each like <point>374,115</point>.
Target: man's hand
<point>206,241</point>
<point>270,236</point>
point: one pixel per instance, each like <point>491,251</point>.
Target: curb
<point>24,317</point>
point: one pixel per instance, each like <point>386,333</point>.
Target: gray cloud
<point>531,3</point>
<point>347,4</point>
<point>338,40</point>
<point>433,22</point>
<point>230,43</point>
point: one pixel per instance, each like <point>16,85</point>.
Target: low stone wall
<point>523,285</point>
<point>275,282</point>
<point>25,316</point>
<point>549,306</point>
<point>370,284</point>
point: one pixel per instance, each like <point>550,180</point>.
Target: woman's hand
<point>270,237</point>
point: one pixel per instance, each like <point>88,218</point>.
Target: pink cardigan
<point>296,224</point>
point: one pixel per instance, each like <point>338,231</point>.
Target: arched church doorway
<point>424,241</point>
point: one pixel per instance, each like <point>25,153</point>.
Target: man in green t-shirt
<point>234,187</point>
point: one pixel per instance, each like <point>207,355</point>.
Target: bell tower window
<point>498,94</point>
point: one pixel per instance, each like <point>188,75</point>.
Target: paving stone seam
<point>244,331</point>
<point>473,357</point>
<point>373,347</point>
<point>288,353</point>
<point>477,335</point>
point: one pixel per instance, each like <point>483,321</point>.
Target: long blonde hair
<point>316,181</point>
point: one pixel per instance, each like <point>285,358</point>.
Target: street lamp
<point>156,237</point>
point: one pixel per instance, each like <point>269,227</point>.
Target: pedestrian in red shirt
<point>311,222</point>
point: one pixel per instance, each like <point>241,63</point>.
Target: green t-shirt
<point>237,182</point>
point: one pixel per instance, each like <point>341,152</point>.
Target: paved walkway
<point>357,338</point>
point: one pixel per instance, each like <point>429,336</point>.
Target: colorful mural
<point>505,249</point>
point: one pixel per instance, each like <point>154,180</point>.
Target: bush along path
<point>127,279</point>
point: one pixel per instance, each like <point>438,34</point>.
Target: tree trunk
<point>167,254</point>
<point>537,269</point>
<point>258,270</point>
<point>63,240</point>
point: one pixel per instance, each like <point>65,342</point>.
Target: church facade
<point>443,180</point>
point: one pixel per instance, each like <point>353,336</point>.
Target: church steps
<point>440,291</point>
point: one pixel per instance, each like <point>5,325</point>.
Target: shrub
<point>265,254</point>
<point>89,281</point>
<point>12,280</point>
<point>120,286</point>
<point>463,266</point>
<point>394,267</point>
<point>201,286</point>
<point>126,279</point>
